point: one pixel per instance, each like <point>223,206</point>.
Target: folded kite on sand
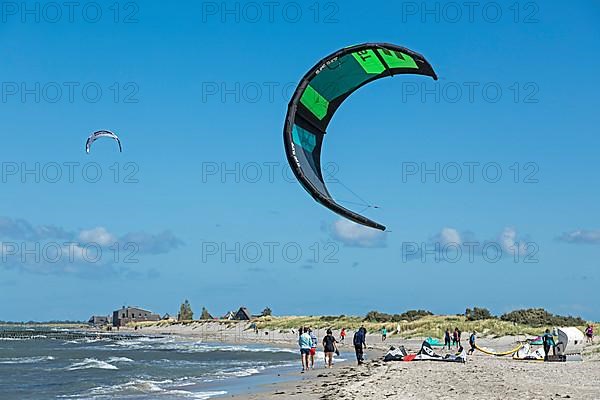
<point>425,354</point>
<point>499,354</point>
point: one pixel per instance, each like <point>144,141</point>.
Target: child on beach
<point>329,347</point>
<point>313,347</point>
<point>343,335</point>
<point>383,334</point>
<point>305,343</point>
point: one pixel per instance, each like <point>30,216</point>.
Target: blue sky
<point>198,92</point>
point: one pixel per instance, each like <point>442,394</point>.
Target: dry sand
<point>482,377</point>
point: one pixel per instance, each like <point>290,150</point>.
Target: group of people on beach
<point>308,343</point>
<point>452,338</point>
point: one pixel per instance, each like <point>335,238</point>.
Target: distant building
<point>229,316</point>
<point>243,314</point>
<point>132,314</point>
<point>99,320</point>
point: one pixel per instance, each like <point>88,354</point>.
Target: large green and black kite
<point>321,92</point>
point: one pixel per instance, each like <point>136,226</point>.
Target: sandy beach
<point>482,377</point>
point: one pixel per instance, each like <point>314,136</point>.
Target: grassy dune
<point>433,326</point>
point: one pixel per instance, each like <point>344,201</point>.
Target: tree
<point>185,311</point>
<point>540,317</point>
<point>477,314</point>
<point>205,314</point>
<point>267,312</point>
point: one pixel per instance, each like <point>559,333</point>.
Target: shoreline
<point>482,377</point>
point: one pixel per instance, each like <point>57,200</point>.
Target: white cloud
<point>355,235</point>
<point>97,235</point>
<point>82,252</point>
<point>449,236</point>
<point>581,236</point>
<point>510,243</point>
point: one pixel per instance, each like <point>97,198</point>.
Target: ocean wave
<point>198,347</point>
<point>91,363</point>
<point>25,360</point>
<point>207,395</point>
<point>240,373</point>
<point>159,389</point>
<point>119,359</point>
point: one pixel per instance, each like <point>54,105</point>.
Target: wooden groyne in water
<point>66,335</point>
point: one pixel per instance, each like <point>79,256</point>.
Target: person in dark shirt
<point>472,339</point>
<point>456,337</point>
<point>360,344</point>
<point>329,347</point>
<point>447,340</point>
<point>548,341</point>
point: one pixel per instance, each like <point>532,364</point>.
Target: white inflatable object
<point>570,341</point>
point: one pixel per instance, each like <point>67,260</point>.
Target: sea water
<point>139,368</point>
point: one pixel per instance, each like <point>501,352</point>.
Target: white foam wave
<point>91,363</point>
<point>25,360</point>
<point>207,395</point>
<point>161,389</point>
<point>119,359</point>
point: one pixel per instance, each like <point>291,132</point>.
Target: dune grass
<point>429,326</point>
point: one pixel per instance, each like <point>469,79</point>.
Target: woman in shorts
<point>329,347</point>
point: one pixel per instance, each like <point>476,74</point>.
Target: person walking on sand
<point>305,343</point>
<point>548,341</point>
<point>313,346</point>
<point>456,337</point>
<point>383,334</point>
<point>589,334</point>
<point>447,340</point>
<point>472,340</point>
<point>342,335</point>
<point>329,347</point>
<point>360,344</point>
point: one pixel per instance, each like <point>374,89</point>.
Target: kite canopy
<point>321,92</point>
<point>98,134</point>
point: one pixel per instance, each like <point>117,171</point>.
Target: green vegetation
<point>205,314</point>
<point>410,315</point>
<point>541,317</point>
<point>427,326</point>
<point>185,312</point>
<point>410,324</point>
<point>478,314</point>
<point>267,312</point>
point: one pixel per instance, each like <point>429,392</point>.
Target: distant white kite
<point>98,134</point>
